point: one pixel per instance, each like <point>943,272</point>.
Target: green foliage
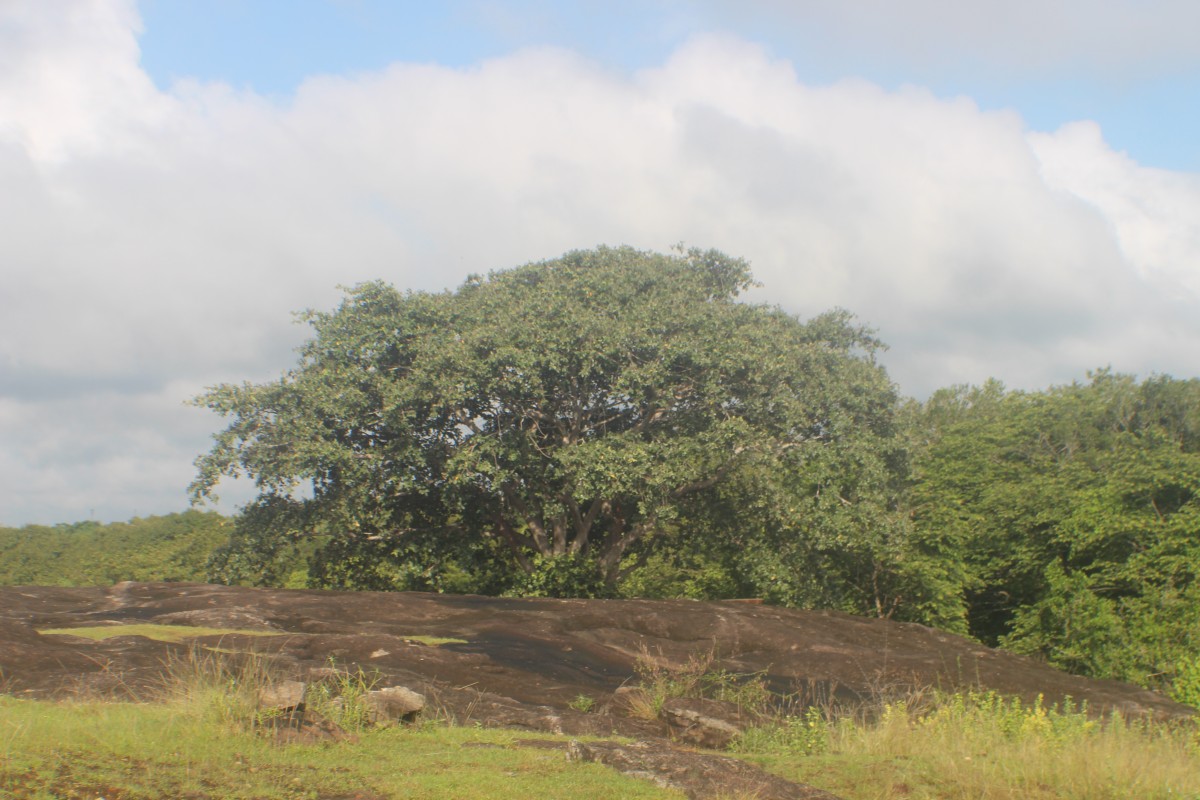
<point>174,547</point>
<point>1076,512</point>
<point>677,574</point>
<point>568,575</point>
<point>583,703</point>
<point>1078,629</point>
<point>577,411</point>
<point>1186,686</point>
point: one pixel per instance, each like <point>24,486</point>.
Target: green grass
<point>983,747</point>
<point>125,751</point>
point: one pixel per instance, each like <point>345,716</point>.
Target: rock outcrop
<point>526,664</point>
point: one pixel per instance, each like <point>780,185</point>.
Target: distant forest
<point>175,547</point>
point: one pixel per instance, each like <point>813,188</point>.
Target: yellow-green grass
<point>981,747</point>
<point>142,751</point>
<point>434,640</point>
<point>162,633</point>
<point>180,633</point>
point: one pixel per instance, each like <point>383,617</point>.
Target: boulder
<point>283,696</point>
<point>393,704</point>
<point>711,724</point>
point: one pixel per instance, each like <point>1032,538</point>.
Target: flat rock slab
<point>535,651</point>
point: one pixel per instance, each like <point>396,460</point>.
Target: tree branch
<point>540,541</point>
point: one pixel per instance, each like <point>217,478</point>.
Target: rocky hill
<point>526,663</point>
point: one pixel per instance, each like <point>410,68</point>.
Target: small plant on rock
<point>583,703</point>
<point>699,677</point>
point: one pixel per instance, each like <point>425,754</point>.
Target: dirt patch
<point>698,775</point>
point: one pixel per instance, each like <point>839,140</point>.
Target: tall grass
<point>980,745</point>
<point>698,677</point>
<point>218,687</point>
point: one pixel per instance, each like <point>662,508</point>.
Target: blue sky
<point>1002,190</point>
<point>1147,102</point>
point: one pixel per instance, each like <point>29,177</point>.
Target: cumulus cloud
<point>1151,211</point>
<point>69,77</point>
<point>159,241</point>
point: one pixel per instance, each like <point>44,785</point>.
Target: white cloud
<point>69,78</point>
<point>1152,212</point>
<point>157,242</point>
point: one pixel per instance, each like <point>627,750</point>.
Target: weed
<point>806,734</point>
<point>583,703</point>
<point>700,677</point>
<point>341,697</point>
<point>642,704</point>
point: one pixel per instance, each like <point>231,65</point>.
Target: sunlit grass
<point>983,747</point>
<point>434,641</point>
<point>142,751</point>
<point>180,633</point>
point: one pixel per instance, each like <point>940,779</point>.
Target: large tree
<point>573,411</point>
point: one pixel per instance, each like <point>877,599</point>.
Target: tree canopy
<point>1076,512</point>
<point>565,418</point>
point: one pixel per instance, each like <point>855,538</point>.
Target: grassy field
<point>962,748</point>
<point>125,751</point>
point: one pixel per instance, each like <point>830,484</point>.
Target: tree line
<point>1075,514</point>
<point>173,547</point>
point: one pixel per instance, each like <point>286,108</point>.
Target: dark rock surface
<point>519,663</point>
